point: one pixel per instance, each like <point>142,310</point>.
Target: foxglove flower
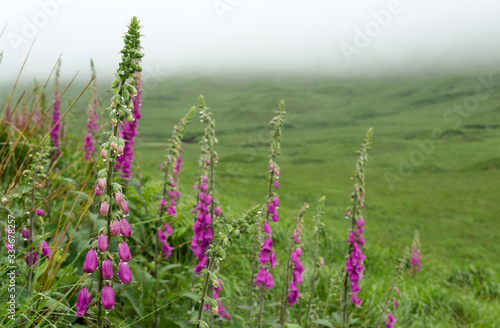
<point>90,264</point>
<point>108,298</point>
<point>104,208</point>
<point>124,273</point>
<point>102,243</point>
<point>46,250</point>
<point>25,233</point>
<point>124,252</point>
<point>115,228</point>
<point>40,212</point>
<point>389,323</point>
<point>31,257</point>
<point>124,207</point>
<point>125,229</point>
<point>107,269</point>
<point>83,302</point>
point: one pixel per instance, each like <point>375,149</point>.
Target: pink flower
<point>276,184</point>
<point>25,233</point>
<point>124,252</point>
<point>124,207</point>
<point>102,243</point>
<point>118,198</point>
<point>124,273</point>
<point>108,298</point>
<point>82,304</point>
<point>104,208</point>
<point>90,264</point>
<point>115,228</point>
<point>40,212</point>
<point>161,236</point>
<point>168,228</point>
<point>267,228</point>
<point>101,183</point>
<point>217,211</point>
<point>46,250</point>
<point>162,202</point>
<point>125,229</point>
<point>107,269</point>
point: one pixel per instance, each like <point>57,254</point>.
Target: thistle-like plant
<point>355,257</point>
<point>398,273</point>
<point>171,195</point>
<point>294,252</point>
<point>111,192</point>
<point>267,257</point>
<point>320,208</point>
<point>217,253</point>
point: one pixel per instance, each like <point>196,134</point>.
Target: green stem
<point>313,278</point>
<point>157,246</point>
<point>387,300</point>
<point>261,301</point>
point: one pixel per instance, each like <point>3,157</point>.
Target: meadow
<point>432,169</point>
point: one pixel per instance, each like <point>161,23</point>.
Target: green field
<point>449,195</point>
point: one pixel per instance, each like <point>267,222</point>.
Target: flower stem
<point>261,302</point>
<point>387,300</point>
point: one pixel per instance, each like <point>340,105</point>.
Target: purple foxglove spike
<point>104,208</point>
<point>267,228</point>
<point>264,256</point>
<point>108,298</point>
<point>25,233</point>
<point>124,252</point>
<point>46,250</point>
<point>125,229</point>
<point>124,273</point>
<point>83,302</point>
<point>40,212</point>
<point>90,264</point>
<point>217,211</point>
<point>124,207</point>
<point>161,236</point>
<point>107,269</point>
<point>168,228</point>
<point>114,228</point>
<point>118,198</point>
<point>102,243</point>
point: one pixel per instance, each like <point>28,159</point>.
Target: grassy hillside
<point>449,192</point>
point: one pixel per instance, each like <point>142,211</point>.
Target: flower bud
<point>217,211</point>
<point>124,207</point>
<point>114,228</point>
<point>124,273</point>
<point>25,233</point>
<point>40,212</point>
<point>125,229</point>
<point>107,269</point>
<point>101,183</point>
<point>46,250</point>
<point>215,310</point>
<point>119,150</point>
<point>102,243</point>
<point>118,197</point>
<point>90,264</point>
<point>104,153</point>
<point>4,200</point>
<point>124,252</point>
<point>108,298</point>
<point>104,208</point>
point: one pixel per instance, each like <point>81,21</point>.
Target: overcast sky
<point>333,37</point>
